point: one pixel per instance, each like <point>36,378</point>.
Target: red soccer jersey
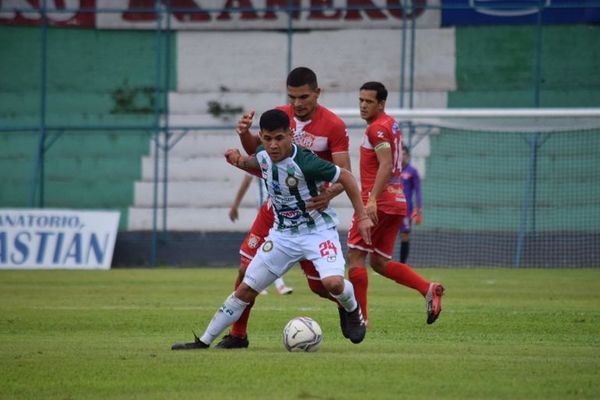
<point>324,134</point>
<point>383,129</point>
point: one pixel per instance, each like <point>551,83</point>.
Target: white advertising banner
<point>268,14</point>
<point>54,238</point>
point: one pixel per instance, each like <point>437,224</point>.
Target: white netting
<point>494,120</point>
<point>504,187</point>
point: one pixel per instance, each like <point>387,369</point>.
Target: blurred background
<point>129,105</point>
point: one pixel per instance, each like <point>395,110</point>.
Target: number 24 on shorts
<point>325,248</point>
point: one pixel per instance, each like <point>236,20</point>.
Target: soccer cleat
<point>285,290</point>
<point>356,328</point>
<point>233,342</point>
<point>433,301</point>
<point>196,344</point>
<point>264,292</point>
<point>343,321</point>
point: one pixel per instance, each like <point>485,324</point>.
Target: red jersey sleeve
<point>338,138</point>
<point>378,134</point>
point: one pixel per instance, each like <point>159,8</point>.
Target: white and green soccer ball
<point>302,334</point>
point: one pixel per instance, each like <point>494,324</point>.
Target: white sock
<point>230,311</point>
<point>346,298</point>
<point>279,283</point>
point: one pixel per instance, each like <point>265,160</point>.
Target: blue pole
<point>38,175</point>
<point>290,34</point>
<point>167,133</point>
<point>156,134</point>
<point>402,54</point>
<point>530,192</point>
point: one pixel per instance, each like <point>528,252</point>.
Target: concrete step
<point>199,143</point>
<point>198,103</point>
<point>201,193</point>
<point>207,168</point>
<point>212,219</point>
<point>203,168</point>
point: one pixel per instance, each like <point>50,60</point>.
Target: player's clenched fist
<point>245,123</point>
<point>233,157</point>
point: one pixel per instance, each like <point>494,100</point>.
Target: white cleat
<point>285,290</point>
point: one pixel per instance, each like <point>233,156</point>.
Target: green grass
<point>503,334</point>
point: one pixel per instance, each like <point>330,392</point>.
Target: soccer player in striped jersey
<point>313,127</point>
<point>293,176</point>
<point>381,183</point>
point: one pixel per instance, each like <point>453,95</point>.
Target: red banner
<point>76,13</point>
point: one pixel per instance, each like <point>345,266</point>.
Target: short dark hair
<point>274,120</point>
<point>405,148</point>
<point>301,76</point>
<point>377,87</point>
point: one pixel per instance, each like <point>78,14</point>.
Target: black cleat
<point>343,321</point>
<point>355,326</point>
<point>196,344</point>
<point>233,342</point>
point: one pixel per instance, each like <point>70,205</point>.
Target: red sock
<point>240,327</point>
<point>405,275</point>
<point>360,280</point>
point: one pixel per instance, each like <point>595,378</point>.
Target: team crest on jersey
<point>380,134</point>
<point>253,241</point>
<point>304,139</point>
<point>291,181</point>
<point>268,246</point>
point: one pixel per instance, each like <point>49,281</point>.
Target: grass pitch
<point>503,334</point>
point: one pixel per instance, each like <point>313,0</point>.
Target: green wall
<point>96,79</point>
<point>496,66</point>
<point>477,181</point>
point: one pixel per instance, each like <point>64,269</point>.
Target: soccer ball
<point>302,334</point>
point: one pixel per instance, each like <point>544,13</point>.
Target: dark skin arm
<point>249,141</point>
<point>321,201</point>
<point>384,157</point>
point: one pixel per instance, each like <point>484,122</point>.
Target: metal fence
<point>149,105</point>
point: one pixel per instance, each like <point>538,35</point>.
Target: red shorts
<point>383,235</point>
<point>260,230</point>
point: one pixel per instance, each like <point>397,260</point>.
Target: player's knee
<point>245,293</point>
<point>334,284</point>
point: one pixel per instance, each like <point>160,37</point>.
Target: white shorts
<point>280,252</point>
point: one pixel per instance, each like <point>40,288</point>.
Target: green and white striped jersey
<point>291,183</point>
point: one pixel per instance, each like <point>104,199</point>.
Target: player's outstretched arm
<point>249,141</point>
<point>384,171</point>
<point>362,219</point>
<point>321,201</point>
<point>247,163</point>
